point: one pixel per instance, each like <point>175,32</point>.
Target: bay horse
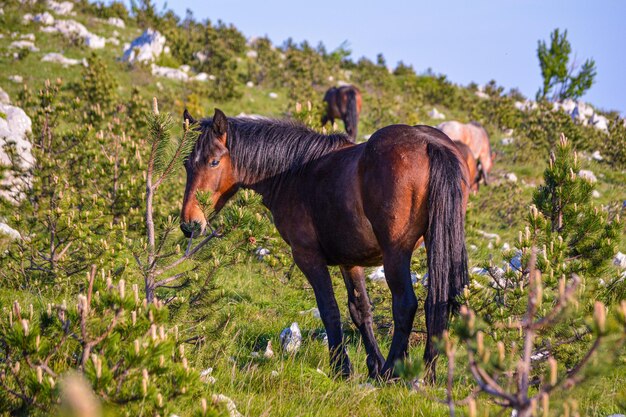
<point>337,203</point>
<point>475,136</point>
<point>472,165</point>
<point>343,103</point>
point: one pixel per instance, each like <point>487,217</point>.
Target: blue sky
<point>475,40</point>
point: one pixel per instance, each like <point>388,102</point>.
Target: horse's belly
<point>347,241</point>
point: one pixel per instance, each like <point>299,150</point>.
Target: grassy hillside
<point>92,140</point>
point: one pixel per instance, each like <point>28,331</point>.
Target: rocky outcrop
<point>15,126</point>
<point>146,48</point>
<point>71,29</point>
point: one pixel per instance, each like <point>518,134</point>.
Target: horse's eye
<point>214,162</point>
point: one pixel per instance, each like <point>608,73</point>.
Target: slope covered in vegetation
<point>73,284</point>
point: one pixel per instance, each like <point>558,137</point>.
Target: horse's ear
<point>220,125</point>
<point>187,116</point>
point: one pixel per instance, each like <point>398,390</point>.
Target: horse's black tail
<point>351,118</point>
<point>445,238</point>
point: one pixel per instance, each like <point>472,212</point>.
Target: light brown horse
<point>337,203</point>
<point>343,103</point>
<point>475,136</point>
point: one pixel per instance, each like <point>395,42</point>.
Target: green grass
<point>258,304</point>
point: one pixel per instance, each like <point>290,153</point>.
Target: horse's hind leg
<point>361,313</point>
<point>316,272</point>
<point>404,305</point>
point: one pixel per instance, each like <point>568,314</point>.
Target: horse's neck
<point>274,191</point>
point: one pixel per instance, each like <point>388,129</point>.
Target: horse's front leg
<point>361,313</point>
<point>314,268</point>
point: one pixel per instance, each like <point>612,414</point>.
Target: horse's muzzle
<point>192,228</point>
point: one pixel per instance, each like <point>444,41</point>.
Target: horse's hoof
<point>343,370</point>
<point>375,366</point>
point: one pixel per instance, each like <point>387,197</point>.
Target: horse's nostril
<point>192,228</point>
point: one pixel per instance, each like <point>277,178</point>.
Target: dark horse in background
<point>337,203</point>
<point>343,103</point>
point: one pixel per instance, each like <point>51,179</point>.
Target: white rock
<point>27,18</point>
<point>582,112</point>
<point>291,338</point>
<point>435,114</point>
<point>507,141</point>
<point>506,246</point>
<point>172,73</point>
<point>588,175</point>
<point>94,41</point>
<point>525,105</point>
<point>203,76</point>
<point>116,21</point>
<point>313,311</point>
<point>167,50</point>
<point>596,156</point>
<point>24,45</point>
<point>252,54</point>
<point>212,77</point>
<point>4,97</point>
<point>145,48</point>
<point>249,84</point>
<point>206,377</point>
<point>273,95</point>
<point>568,105</point>
<point>269,353</point>
<point>620,260</point>
<point>113,41</point>
<point>62,8</point>
<point>200,56</point>
<point>44,18</point>
<point>498,280</point>
<point>230,405</point>
<point>16,78</point>
<point>60,59</point>
<point>261,253</point>
<point>10,232</point>
<point>71,28</point>
<point>185,68</point>
<point>595,194</point>
<point>490,236</point>
<point>274,374</point>
<point>481,94</point>
<point>378,274</point>
<point>510,177</point>
<point>15,126</point>
<point>28,37</point>
<point>599,122</point>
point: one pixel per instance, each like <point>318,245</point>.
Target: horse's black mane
<point>263,148</point>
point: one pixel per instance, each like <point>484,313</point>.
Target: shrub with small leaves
<point>120,343</point>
